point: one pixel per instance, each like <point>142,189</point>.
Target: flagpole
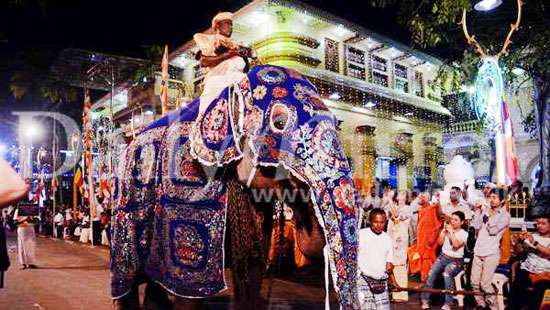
<point>54,155</point>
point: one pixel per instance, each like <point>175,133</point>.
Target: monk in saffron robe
<point>422,254</point>
<point>290,234</point>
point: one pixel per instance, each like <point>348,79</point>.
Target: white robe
<point>226,73</point>
<point>26,245</point>
<point>26,241</point>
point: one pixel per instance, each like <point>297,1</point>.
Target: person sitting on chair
<point>534,270</point>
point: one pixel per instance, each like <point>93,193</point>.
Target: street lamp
<point>27,131</point>
<point>487,5</point>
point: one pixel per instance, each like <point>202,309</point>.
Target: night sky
<point>124,27</point>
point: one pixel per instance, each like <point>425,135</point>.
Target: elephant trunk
<point>311,243</point>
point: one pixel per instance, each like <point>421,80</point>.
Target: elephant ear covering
<point>286,123</point>
<point>214,135</point>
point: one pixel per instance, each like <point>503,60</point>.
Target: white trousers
<point>225,74</point>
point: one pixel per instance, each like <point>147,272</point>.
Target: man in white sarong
<point>26,240</point>
<point>223,59</point>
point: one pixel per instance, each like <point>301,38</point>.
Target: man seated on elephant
<point>224,60</point>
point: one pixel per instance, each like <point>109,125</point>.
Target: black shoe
<point>31,266</point>
<point>24,267</point>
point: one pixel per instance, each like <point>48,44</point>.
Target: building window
<point>355,71</point>
<point>379,64</point>
<point>356,56</point>
<point>400,71</point>
<point>402,85</point>
<point>401,78</point>
<point>418,84</point>
<point>355,63</point>
<point>380,79</point>
<point>331,55</point>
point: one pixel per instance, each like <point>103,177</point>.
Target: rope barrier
<point>394,287</point>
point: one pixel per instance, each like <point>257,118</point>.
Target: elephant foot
<point>247,292</point>
<point>156,298</point>
<point>129,302</point>
<point>179,303</point>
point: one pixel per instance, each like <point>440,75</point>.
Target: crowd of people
<point>440,240</point>
<point>63,225</point>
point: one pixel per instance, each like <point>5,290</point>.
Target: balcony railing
<point>468,126</point>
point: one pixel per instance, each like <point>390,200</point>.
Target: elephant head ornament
<point>170,214</point>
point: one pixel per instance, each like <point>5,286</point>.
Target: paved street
<point>72,275</point>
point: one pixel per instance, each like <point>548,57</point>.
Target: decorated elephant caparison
<point>188,182</point>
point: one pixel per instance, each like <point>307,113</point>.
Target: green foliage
<point>154,58</point>
<point>429,22</point>
<point>34,79</point>
<point>529,123</point>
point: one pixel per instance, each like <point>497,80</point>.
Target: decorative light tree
<point>489,99</point>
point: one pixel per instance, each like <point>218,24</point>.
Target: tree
<point>434,24</point>
<point>30,71</point>
<point>33,77</point>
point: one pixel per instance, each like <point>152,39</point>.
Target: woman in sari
<point>398,228</point>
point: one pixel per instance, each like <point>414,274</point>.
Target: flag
<point>54,184</point>
<point>78,181</point>
<point>164,81</point>
<point>104,186</point>
<point>510,159</point>
<point>86,192</point>
<point>39,190</point>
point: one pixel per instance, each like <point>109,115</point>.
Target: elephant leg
<point>156,298</point>
<point>247,291</point>
<point>312,242</point>
<point>247,255</point>
<point>129,302</point>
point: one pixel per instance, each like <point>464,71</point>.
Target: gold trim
<point>307,60</point>
<point>287,37</point>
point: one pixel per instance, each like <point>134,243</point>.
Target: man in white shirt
<point>58,224</point>
<point>476,202</point>
<point>455,204</point>
<point>370,202</point>
<point>375,263</point>
<point>223,59</point>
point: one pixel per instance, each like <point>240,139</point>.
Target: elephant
<point>190,182</point>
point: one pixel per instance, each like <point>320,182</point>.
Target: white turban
<point>221,16</point>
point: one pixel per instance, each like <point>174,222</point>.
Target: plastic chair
<point>458,286</point>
